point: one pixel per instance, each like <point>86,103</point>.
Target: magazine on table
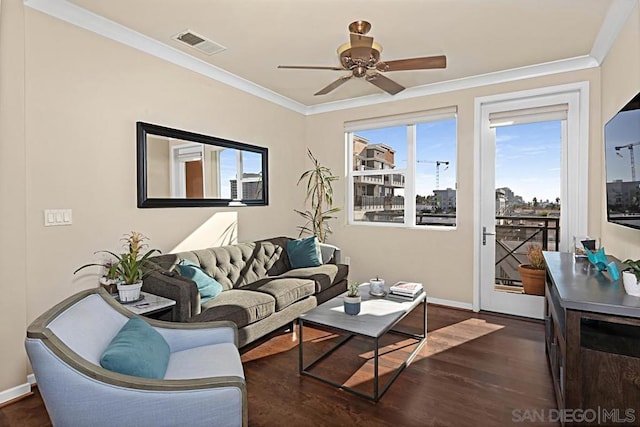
<point>406,288</point>
<point>399,297</point>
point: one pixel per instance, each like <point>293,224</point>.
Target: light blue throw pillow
<point>138,350</point>
<point>304,252</point>
<point>208,287</point>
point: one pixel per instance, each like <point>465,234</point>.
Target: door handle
<point>484,236</point>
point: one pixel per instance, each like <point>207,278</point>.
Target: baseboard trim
<point>14,393</point>
<point>31,379</point>
<point>450,303</point>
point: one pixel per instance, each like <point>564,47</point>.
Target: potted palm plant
<point>130,267</point>
<point>353,299</point>
<point>533,274</point>
<point>320,193</point>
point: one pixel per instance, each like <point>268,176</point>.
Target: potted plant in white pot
<point>631,277</point>
<point>130,267</point>
<point>353,299</point>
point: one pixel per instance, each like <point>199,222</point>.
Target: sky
<point>623,129</point>
<point>527,156</point>
<point>528,159</point>
<point>251,163</point>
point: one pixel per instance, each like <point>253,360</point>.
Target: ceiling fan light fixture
<point>359,27</point>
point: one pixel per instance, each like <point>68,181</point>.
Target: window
<point>402,170</point>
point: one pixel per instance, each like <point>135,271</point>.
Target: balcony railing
<point>513,236</point>
<point>375,203</point>
<point>394,180</point>
<point>368,179</point>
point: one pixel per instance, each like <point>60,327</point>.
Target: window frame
<point>410,121</point>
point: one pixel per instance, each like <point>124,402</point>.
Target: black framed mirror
<point>177,168</point>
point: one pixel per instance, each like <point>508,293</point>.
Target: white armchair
<point>204,384</point>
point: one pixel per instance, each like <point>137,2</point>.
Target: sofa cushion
<point>208,287</point>
<point>304,252</point>
<point>243,307</point>
<point>137,350</point>
<point>325,275</point>
<point>286,291</point>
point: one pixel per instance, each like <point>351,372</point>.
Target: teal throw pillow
<point>208,287</point>
<point>304,252</point>
<point>138,350</point>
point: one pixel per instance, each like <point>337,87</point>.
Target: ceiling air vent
<point>199,42</point>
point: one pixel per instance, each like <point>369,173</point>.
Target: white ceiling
<point>501,38</point>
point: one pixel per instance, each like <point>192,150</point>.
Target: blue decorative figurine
<point>599,259</point>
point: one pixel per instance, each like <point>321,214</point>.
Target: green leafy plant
<point>633,267</point>
<point>352,289</point>
<point>536,259</point>
<point>131,267</point>
<point>319,181</point>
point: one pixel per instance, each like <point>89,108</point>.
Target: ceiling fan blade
<point>425,63</point>
<point>333,85</point>
<point>361,46</point>
<point>310,67</point>
<point>384,83</point>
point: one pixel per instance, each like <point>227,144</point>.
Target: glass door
<point>521,184</point>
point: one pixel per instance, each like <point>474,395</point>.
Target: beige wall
<point>442,259</point>
<point>13,256</point>
<point>84,94</point>
<point>620,82</point>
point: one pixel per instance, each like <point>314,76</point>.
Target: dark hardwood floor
<point>474,370</point>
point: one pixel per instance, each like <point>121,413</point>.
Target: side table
<point>153,306</point>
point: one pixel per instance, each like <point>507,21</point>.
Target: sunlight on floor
<point>440,340</point>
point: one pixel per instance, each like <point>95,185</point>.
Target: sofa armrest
<point>173,286</point>
<point>330,254</point>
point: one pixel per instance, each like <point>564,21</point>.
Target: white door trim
<point>577,97</point>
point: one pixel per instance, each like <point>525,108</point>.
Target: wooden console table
<point>592,341</point>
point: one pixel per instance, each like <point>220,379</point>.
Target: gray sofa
<point>261,292</point>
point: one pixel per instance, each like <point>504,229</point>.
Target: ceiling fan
<point>361,57</point>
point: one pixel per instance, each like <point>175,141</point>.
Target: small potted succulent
<point>130,267</point>
<point>110,277</point>
<point>533,274</point>
<point>353,299</point>
<point>631,277</point>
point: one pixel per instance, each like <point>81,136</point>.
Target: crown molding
<point>83,18</point>
<point>613,23</point>
<point>615,20</point>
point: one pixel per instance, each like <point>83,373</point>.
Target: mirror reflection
<point>177,168</point>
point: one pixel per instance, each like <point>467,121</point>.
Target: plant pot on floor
<point>352,305</point>
<point>631,284</point>
<point>128,293</point>
<point>533,280</point>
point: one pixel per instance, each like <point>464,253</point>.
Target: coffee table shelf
<point>378,316</point>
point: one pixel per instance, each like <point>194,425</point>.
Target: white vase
<point>129,293</point>
<point>631,285</point>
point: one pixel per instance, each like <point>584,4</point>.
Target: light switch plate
<point>54,217</point>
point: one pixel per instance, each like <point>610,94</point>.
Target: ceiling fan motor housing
<point>349,63</point>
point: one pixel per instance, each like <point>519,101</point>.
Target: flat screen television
<point>622,158</point>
